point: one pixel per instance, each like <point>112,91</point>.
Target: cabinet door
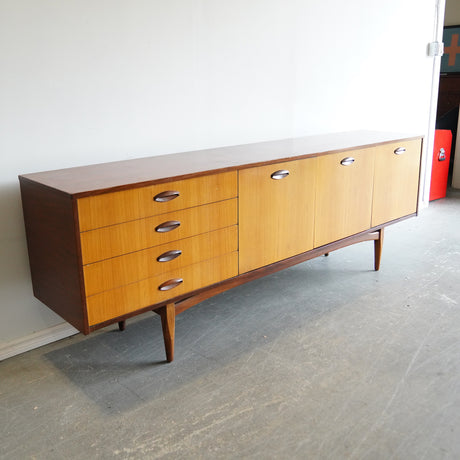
<point>276,210</point>
<point>343,195</point>
<point>397,170</point>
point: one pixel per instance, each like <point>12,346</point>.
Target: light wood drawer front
<point>136,266</point>
<point>117,207</point>
<point>116,240</point>
<point>396,181</point>
<point>116,302</point>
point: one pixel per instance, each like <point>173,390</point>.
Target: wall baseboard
<point>37,339</point>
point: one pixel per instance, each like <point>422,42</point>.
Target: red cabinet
<point>440,168</point>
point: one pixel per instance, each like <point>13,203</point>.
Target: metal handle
<point>170,284</point>
<point>347,161</point>
<point>399,151</point>
<point>280,174</point>
<point>169,255</point>
<point>168,195</point>
<point>167,226</point>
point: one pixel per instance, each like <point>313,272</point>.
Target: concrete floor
<point>325,360</point>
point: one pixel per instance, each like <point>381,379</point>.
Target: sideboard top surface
<point>99,178</point>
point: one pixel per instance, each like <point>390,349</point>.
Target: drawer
<point>117,207</point>
<point>116,240</point>
<point>133,267</point>
<point>116,302</point>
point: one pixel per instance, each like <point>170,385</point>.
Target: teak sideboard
<point>110,241</point>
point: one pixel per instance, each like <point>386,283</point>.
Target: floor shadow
<point>122,370</point>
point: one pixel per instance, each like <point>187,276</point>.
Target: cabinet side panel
<point>53,252</point>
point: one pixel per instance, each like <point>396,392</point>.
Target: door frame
<point>426,165</point>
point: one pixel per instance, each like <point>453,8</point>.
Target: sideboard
<point>110,241</point>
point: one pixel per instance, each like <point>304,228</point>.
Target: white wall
<point>87,81</point>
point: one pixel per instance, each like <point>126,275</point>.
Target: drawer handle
<point>281,174</point>
<point>399,151</point>
<point>169,255</point>
<point>168,195</point>
<point>167,226</point>
<point>170,284</point>
<point>347,161</point>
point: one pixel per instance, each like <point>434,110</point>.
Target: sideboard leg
<point>121,325</point>
<point>168,323</point>
<point>378,246</point>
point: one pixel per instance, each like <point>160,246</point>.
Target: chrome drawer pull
<point>169,255</point>
<point>167,226</point>
<point>168,195</point>
<point>399,151</point>
<point>281,174</point>
<point>347,161</point>
<point>170,284</point>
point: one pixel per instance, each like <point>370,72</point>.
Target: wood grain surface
<point>119,239</point>
<point>121,175</point>
<point>276,217</point>
<point>135,266</point>
<point>52,241</point>
<point>343,195</point>
<point>117,207</point>
<point>122,300</point>
<point>396,181</point>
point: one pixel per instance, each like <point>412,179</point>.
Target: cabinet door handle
<point>399,151</point>
<point>170,284</point>
<point>168,195</point>
<point>280,174</point>
<point>347,161</point>
<point>169,255</point>
<point>167,226</point>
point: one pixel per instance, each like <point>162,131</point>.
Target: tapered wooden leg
<point>378,246</point>
<point>121,325</point>
<point>168,323</point>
